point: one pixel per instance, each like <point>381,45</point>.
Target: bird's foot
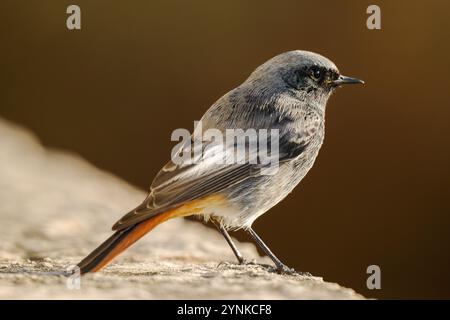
<point>285,270</point>
<point>245,262</point>
<point>253,262</point>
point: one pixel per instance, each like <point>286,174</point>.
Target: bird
<point>288,93</point>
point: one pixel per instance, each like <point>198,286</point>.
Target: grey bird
<point>288,93</point>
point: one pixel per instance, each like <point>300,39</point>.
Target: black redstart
<point>287,93</point>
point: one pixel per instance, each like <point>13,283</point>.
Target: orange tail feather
<point>119,242</point>
<point>122,239</point>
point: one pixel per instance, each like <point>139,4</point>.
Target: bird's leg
<point>281,267</point>
<point>227,237</point>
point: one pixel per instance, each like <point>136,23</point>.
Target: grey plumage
<point>275,96</point>
<point>283,93</point>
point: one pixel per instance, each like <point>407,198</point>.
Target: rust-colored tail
<point>118,242</point>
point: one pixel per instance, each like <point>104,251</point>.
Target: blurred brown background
<point>379,192</point>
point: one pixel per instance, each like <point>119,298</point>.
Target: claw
<point>285,270</point>
<point>246,262</point>
<point>254,263</point>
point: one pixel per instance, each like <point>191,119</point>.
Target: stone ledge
<point>55,207</point>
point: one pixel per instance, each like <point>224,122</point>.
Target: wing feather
<point>185,182</point>
<point>177,184</point>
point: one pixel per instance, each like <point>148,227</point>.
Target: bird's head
<point>302,74</point>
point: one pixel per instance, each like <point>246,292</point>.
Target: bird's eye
<point>316,74</point>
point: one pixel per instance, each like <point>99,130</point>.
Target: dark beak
<point>346,80</point>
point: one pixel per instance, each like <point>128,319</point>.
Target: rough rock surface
<point>55,208</point>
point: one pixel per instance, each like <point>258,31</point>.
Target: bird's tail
<point>118,242</point>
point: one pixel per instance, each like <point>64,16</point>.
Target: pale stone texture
<point>55,208</point>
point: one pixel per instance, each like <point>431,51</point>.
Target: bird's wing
<point>177,184</point>
<point>204,175</point>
